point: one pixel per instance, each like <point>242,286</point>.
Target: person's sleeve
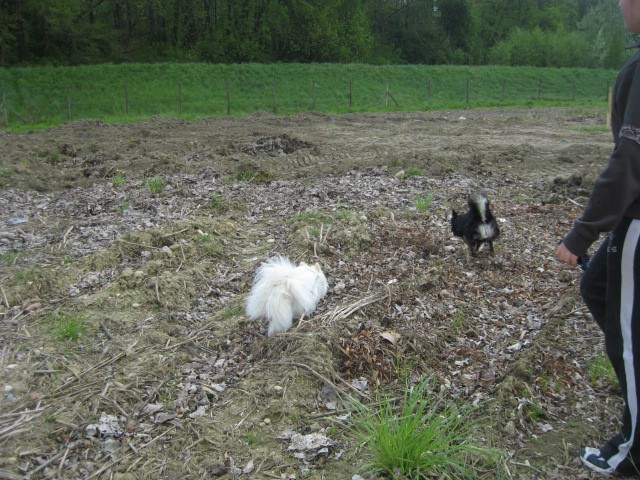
<point>618,186</point>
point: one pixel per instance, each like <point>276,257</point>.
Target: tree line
<point>542,33</point>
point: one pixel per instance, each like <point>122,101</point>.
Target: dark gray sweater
<point>616,192</point>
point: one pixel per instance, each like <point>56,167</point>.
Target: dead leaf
<point>391,336</point>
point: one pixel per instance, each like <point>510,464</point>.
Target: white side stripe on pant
<point>626,317</point>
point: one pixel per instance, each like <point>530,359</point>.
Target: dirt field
<point>127,253</point>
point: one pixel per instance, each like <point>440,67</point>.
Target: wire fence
<point>32,106</point>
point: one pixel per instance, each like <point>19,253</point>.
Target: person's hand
<point>565,256</point>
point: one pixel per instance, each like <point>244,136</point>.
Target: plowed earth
<point>127,251</point>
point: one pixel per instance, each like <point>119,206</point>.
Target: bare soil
<point>142,240</point>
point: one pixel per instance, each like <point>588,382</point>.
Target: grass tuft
<point>118,180</point>
<point>155,185</point>
<point>423,203</point>
<point>69,328</point>
<point>601,371</point>
<point>421,438</point>
<point>414,172</point>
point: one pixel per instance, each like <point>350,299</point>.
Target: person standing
<point>610,285</point>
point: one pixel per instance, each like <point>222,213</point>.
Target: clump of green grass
<point>423,203</point>
<point>10,258</point>
<point>69,328</point>
<point>459,321</point>
<point>219,203</point>
<point>421,438</point>
<point>55,158</point>
<point>601,371</point>
<point>534,411</point>
<point>596,129</point>
<point>29,274</point>
<point>414,172</point>
<point>213,248</point>
<point>155,185</point>
<point>312,218</point>
<point>123,208</point>
<point>254,176</point>
<point>118,180</point>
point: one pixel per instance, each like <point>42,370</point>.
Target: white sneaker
<point>592,458</point>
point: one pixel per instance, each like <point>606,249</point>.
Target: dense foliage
<point>576,33</point>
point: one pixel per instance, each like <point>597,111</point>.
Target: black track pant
<point>611,290</point>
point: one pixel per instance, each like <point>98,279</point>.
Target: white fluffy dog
<point>282,291</point>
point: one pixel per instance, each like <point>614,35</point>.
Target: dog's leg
<point>491,247</point>
<point>469,250</point>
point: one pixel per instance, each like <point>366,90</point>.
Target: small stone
<point>510,428</point>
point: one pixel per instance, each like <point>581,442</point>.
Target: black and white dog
<point>477,227</point>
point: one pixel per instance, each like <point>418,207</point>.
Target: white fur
<point>486,231</point>
<point>481,202</point>
<point>282,291</point>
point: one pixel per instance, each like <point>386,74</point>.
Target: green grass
<point>423,203</point>
<point>10,258</point>
<point>219,203</point>
<point>118,180</point>
<point>29,274</point>
<point>601,370</point>
<point>123,208</point>
<point>39,95</point>
<point>155,185</point>
<point>246,174</point>
<point>69,328</point>
<point>414,172</point>
<point>424,437</point>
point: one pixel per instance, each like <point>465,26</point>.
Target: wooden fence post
<point>468,82</point>
<point>313,94</point>
<point>228,98</point>
<point>273,98</point>
<point>350,93</point>
<point>68,102</point>
<point>540,89</point>
<point>180,96</point>
<point>386,95</point>
<point>4,109</point>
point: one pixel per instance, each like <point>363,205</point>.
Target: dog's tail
<point>279,294</point>
<point>271,273</point>
<point>286,300</point>
<point>279,308</point>
<point>479,205</point>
